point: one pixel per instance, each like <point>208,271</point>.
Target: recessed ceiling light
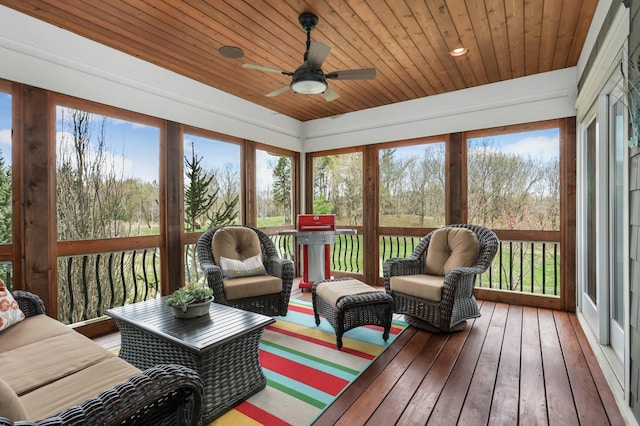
<point>459,51</point>
<point>231,52</point>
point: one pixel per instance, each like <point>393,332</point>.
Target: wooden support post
<point>35,143</point>
<point>171,202</point>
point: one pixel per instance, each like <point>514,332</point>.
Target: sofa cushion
<point>240,288</point>
<point>451,248</point>
<point>235,242</point>
<point>32,329</point>
<point>423,286</point>
<point>232,268</point>
<point>10,405</point>
<point>73,389</point>
<point>35,365</point>
<point>10,312</point>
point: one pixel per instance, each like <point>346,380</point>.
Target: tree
<point>282,187</point>
<point>88,182</point>
<point>197,200</point>
<point>5,202</point>
<point>201,196</point>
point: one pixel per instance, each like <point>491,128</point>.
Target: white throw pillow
<point>232,268</point>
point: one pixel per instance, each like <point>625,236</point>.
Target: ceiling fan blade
<point>261,68</point>
<point>362,74</point>
<point>317,54</point>
<point>279,91</point>
<point>330,95</point>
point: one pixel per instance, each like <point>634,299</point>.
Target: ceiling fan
<point>308,78</point>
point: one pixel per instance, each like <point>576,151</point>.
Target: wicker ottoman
<point>348,303</point>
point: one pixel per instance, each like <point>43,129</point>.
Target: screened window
<point>212,183</point>
<point>337,187</point>
<point>412,185</point>
<point>6,219</point>
<point>107,176</point>
<point>5,169</point>
<point>274,183</point>
<point>514,180</point>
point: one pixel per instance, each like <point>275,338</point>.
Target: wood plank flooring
<point>512,366</point>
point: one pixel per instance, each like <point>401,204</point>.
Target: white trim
<point>607,60</point>
<point>522,100</point>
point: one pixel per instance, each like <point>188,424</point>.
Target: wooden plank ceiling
<point>406,41</point>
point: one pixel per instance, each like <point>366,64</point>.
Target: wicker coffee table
<point>222,347</point>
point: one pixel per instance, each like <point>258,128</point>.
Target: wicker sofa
<point>56,376</point>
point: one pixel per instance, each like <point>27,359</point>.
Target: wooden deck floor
<point>512,366</point>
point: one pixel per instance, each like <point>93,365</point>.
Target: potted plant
<point>190,301</point>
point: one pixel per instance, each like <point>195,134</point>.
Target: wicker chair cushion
<point>451,248</point>
<point>234,242</point>
<point>243,287</point>
<point>333,291</point>
<point>10,405</point>
<point>232,268</point>
<point>422,286</point>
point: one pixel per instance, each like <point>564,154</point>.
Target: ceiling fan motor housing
<point>308,21</point>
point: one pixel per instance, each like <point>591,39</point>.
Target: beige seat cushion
<point>74,389</point>
<point>260,285</point>
<point>10,405</point>
<point>31,330</point>
<point>451,248</point>
<point>332,291</point>
<point>29,367</point>
<point>234,242</point>
<point>423,286</point>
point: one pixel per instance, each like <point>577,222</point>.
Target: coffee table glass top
<point>201,334</point>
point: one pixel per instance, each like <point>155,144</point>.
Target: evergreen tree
<point>197,200</point>
<point>282,186</point>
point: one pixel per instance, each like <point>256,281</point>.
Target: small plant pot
<point>194,310</point>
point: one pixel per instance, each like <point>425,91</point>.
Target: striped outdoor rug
<point>304,369</point>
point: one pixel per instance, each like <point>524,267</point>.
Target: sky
<point>538,143</point>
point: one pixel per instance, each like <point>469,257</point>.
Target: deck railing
<point>90,284</point>
<point>523,266</point>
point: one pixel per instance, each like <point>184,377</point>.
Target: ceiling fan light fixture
<point>308,82</point>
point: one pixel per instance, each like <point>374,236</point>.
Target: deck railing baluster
<point>133,276</point>
<point>98,285</point>
<point>70,286</point>
<point>111,284</point>
<point>156,261</point>
<point>144,274</point>
<point>85,287</point>
<point>544,269</point>
<point>533,270</point>
<point>124,284</point>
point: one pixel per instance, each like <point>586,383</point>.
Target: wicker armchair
<point>166,394</point>
<point>271,304</point>
<point>454,301</point>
